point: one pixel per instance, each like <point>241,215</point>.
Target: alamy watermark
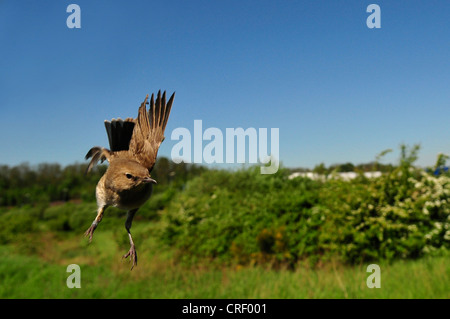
<point>374,280</point>
<point>374,19</point>
<point>74,19</point>
<point>229,148</point>
<point>74,280</point>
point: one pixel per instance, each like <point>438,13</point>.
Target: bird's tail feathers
<point>119,133</point>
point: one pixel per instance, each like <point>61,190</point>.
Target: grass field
<point>36,268</point>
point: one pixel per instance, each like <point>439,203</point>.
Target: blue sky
<point>337,90</point>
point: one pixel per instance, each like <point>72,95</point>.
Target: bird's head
<point>126,175</point>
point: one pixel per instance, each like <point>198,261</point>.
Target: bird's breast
<point>134,198</point>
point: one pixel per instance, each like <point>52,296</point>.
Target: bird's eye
<point>129,176</point>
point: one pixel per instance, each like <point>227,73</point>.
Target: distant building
<point>346,176</point>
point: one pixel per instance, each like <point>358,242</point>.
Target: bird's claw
<point>133,256</point>
<point>90,232</point>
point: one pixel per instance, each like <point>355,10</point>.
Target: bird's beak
<point>149,180</point>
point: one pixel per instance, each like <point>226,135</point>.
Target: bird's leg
<point>90,232</point>
<point>132,252</point>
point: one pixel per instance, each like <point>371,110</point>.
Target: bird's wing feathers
<point>148,133</point>
<point>139,138</point>
<point>98,154</point>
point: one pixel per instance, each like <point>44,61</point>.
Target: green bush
<point>17,222</point>
<point>251,218</point>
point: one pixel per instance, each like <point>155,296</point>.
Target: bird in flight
<point>134,145</point>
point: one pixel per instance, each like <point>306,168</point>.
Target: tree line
<point>49,182</point>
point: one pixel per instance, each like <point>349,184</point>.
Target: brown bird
<point>134,144</point>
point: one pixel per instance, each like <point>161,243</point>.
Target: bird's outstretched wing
<point>148,132</point>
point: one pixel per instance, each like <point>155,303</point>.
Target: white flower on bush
<point>447,235</point>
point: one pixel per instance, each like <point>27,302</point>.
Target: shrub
<point>246,217</point>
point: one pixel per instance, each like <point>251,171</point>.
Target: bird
<point>134,143</point>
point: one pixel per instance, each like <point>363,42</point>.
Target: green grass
<point>42,273</point>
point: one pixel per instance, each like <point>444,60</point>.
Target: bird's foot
<point>133,256</point>
<point>90,232</point>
